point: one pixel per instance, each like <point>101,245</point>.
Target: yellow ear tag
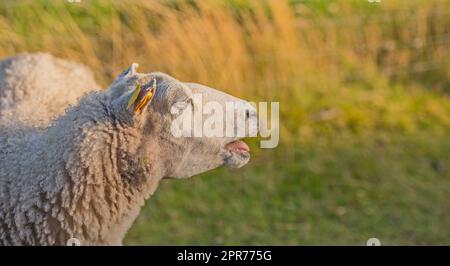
<point>141,97</point>
<point>134,96</point>
<point>147,97</point>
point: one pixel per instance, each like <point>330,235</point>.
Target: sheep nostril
<point>247,114</point>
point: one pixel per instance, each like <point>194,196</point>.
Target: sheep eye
<point>181,105</point>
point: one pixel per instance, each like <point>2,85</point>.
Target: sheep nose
<point>251,117</point>
<point>250,111</point>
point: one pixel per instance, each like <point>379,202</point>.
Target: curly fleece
<point>79,187</point>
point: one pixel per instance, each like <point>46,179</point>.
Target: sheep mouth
<point>237,146</point>
<point>238,154</point>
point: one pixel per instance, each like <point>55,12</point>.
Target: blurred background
<point>364,110</point>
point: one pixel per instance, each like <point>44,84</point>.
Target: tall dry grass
<point>211,42</point>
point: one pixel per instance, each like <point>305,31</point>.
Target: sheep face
<point>188,128</point>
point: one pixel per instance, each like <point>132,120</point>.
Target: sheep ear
<point>130,71</point>
<point>119,85</point>
<point>129,106</point>
<point>141,97</point>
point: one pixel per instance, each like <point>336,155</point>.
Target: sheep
<point>31,80</point>
<point>88,173</point>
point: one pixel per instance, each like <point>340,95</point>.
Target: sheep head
<point>173,118</point>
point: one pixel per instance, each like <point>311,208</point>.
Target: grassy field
<point>364,110</point>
